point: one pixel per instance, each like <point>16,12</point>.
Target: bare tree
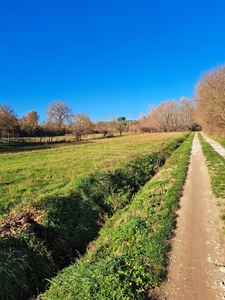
<point>82,125</point>
<point>29,123</point>
<point>161,117</point>
<point>210,99</point>
<point>121,124</point>
<point>8,120</point>
<point>107,128</point>
<point>58,112</point>
<point>167,112</point>
<point>169,115</point>
<point>100,127</point>
<point>186,118</point>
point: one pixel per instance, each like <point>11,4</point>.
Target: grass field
<point>130,255</point>
<point>55,201</point>
<point>27,175</point>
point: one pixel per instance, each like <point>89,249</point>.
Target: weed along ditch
<point>104,235</point>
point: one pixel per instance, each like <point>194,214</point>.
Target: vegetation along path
<point>198,256</point>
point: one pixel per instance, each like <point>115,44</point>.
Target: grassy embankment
<point>216,165</point>
<point>217,138</point>
<point>130,255</point>
<point>64,213</point>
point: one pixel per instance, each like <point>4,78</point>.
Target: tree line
<point>210,101</point>
<point>60,121</point>
<point>206,111</point>
<point>170,115</point>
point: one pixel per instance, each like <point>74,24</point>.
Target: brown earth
<point>198,247</point>
<point>17,222</point>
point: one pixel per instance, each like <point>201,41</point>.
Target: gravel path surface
<point>197,250</point>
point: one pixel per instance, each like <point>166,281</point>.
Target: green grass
<point>130,255</point>
<point>218,139</point>
<point>24,266</point>
<point>72,215</point>
<point>222,141</point>
<point>25,176</point>
<point>216,166</point>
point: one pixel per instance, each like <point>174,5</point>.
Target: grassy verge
<point>216,165</point>
<point>130,255</point>
<point>217,138</point>
<point>70,219</point>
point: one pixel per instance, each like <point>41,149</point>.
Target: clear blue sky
<point>106,57</point>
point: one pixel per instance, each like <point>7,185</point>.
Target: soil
<point>17,222</point>
<point>197,256</point>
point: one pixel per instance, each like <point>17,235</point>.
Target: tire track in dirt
<point>197,251</point>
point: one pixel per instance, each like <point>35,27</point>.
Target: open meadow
<point>27,175</point>
<point>55,201</point>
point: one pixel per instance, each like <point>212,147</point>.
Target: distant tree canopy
<point>8,120</point>
<point>81,125</point>
<point>169,115</point>
<point>121,124</point>
<point>109,128</point>
<point>29,123</point>
<point>121,119</point>
<point>58,112</point>
<point>210,100</point>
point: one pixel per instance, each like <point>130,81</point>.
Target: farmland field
<point>27,175</point>
<point>55,201</point>
<point>130,254</point>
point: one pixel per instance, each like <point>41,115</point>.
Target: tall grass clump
<point>24,266</point>
<point>130,255</point>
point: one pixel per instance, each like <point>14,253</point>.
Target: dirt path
<point>198,254</point>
